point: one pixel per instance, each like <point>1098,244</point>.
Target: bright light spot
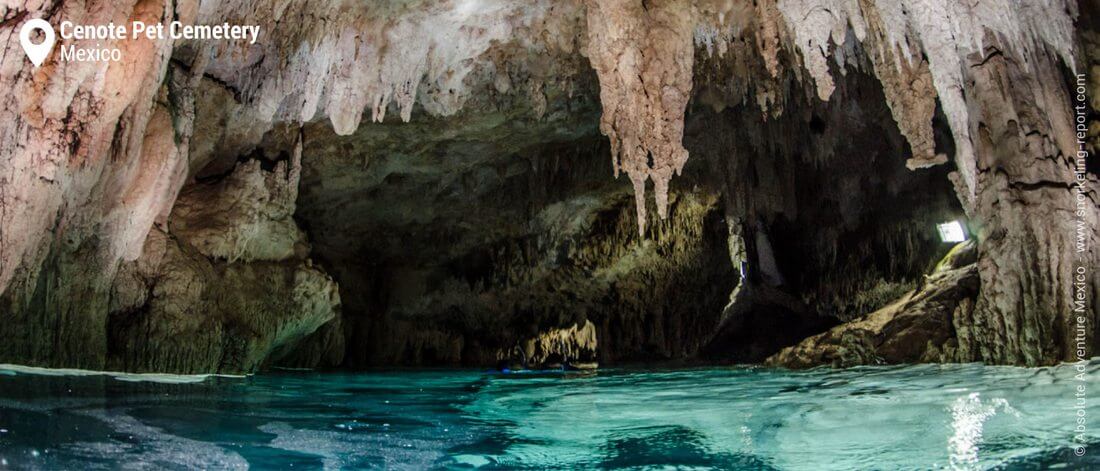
<point>952,232</point>
<point>968,417</point>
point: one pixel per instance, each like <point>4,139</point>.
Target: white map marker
<point>37,52</point>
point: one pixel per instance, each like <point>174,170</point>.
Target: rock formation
<point>924,325</point>
<point>643,54</point>
<point>230,289</point>
<point>574,347</point>
<point>425,182</point>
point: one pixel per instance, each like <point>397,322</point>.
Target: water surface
<point>913,417</point>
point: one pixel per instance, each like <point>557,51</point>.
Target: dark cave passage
<point>506,239</point>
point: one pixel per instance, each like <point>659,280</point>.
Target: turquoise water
<point>916,417</point>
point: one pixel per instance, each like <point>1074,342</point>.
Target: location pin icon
<point>37,52</point>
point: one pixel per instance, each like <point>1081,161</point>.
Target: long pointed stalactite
<point>643,52</point>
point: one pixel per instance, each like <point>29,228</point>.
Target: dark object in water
<point>505,369</point>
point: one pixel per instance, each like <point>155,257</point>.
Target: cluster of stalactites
<point>338,59</point>
<point>947,31</point>
<point>643,55</point>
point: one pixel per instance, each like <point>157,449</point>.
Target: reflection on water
<point>968,416</point>
<point>916,417</point>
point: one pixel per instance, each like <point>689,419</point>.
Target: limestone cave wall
<point>435,182</point>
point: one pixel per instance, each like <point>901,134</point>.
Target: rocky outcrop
<point>176,310</point>
<point>230,288</point>
<point>95,155</point>
<point>922,326</point>
<point>574,347</point>
<point>76,194</point>
<point>246,216</point>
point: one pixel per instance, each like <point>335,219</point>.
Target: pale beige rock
<point>575,346</point>
<point>643,53</point>
<point>246,216</point>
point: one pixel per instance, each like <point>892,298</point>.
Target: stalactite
<point>947,31</point>
<point>643,53</point>
<point>365,58</point>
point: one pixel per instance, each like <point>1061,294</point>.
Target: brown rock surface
<point>922,326</point>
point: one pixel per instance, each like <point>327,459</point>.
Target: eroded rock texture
<point>230,288</point>
<point>574,347</point>
<point>176,310</point>
<point>643,53</point>
<point>88,162</point>
<point>426,182</point>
